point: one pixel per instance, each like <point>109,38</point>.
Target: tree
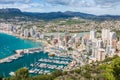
<point>22,74</point>
<point>56,73</point>
<point>65,72</point>
<point>116,68</point>
<point>106,72</point>
<point>87,75</point>
<point>78,71</point>
<point>44,77</point>
<point>1,77</point>
<point>70,49</point>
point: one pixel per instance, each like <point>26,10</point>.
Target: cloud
<point>107,3</point>
<point>13,1</point>
<point>29,7</point>
<point>89,6</point>
<point>21,6</point>
<point>60,2</point>
<point>83,3</point>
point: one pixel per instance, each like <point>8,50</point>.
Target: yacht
<point>11,73</point>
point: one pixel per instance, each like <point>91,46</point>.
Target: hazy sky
<point>88,6</point>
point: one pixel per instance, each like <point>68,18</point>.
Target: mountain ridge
<point>14,12</point>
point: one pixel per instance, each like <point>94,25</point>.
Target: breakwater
<point>20,53</point>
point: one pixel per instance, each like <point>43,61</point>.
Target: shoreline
<point>21,37</point>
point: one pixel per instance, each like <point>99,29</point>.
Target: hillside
<point>13,13</point>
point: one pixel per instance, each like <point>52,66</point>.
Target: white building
<point>42,36</point>
<point>105,35</point>
<point>37,35</point>
<point>112,37</point>
<point>99,44</point>
<point>108,49</point>
<point>26,33</point>
<point>32,32</point>
<point>101,54</point>
<point>92,34</point>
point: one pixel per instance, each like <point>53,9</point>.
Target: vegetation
<point>70,49</point>
<point>1,77</point>
<point>70,22</point>
<point>118,33</point>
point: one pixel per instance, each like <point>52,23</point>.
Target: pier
<point>20,53</point>
<point>10,58</point>
<point>28,51</point>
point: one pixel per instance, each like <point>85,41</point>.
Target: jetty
<point>28,51</point>
<point>10,58</point>
<point>20,53</point>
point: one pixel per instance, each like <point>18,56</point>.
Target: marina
<point>37,63</point>
<point>45,66</point>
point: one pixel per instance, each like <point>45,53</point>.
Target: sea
<point>9,43</point>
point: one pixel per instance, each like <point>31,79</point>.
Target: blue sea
<point>8,44</point>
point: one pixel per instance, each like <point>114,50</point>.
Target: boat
<point>11,73</point>
<point>31,71</point>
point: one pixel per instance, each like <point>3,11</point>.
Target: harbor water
<point>8,44</point>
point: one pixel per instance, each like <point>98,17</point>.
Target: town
<point>83,48</point>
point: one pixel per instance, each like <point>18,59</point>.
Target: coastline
<point>21,37</point>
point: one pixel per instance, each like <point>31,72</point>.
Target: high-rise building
<point>37,35</point>
<point>92,34</point>
<point>105,35</point>
<point>108,49</point>
<point>26,33</point>
<point>112,37</point>
<point>42,36</point>
<point>99,44</point>
<point>101,54</point>
<point>118,45</point>
<point>32,32</point>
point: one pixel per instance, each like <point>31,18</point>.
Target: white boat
<point>8,61</point>
<point>11,73</point>
<point>31,71</point>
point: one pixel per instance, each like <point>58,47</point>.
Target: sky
<point>97,7</point>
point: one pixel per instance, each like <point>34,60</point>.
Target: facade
<point>26,33</point>
<point>99,44</point>
<point>32,32</point>
<point>101,54</point>
<point>92,35</point>
<point>105,35</point>
<point>112,38</point>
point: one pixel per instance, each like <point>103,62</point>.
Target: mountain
<point>9,13</point>
<point>47,16</point>
<point>9,10</point>
<point>93,17</point>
